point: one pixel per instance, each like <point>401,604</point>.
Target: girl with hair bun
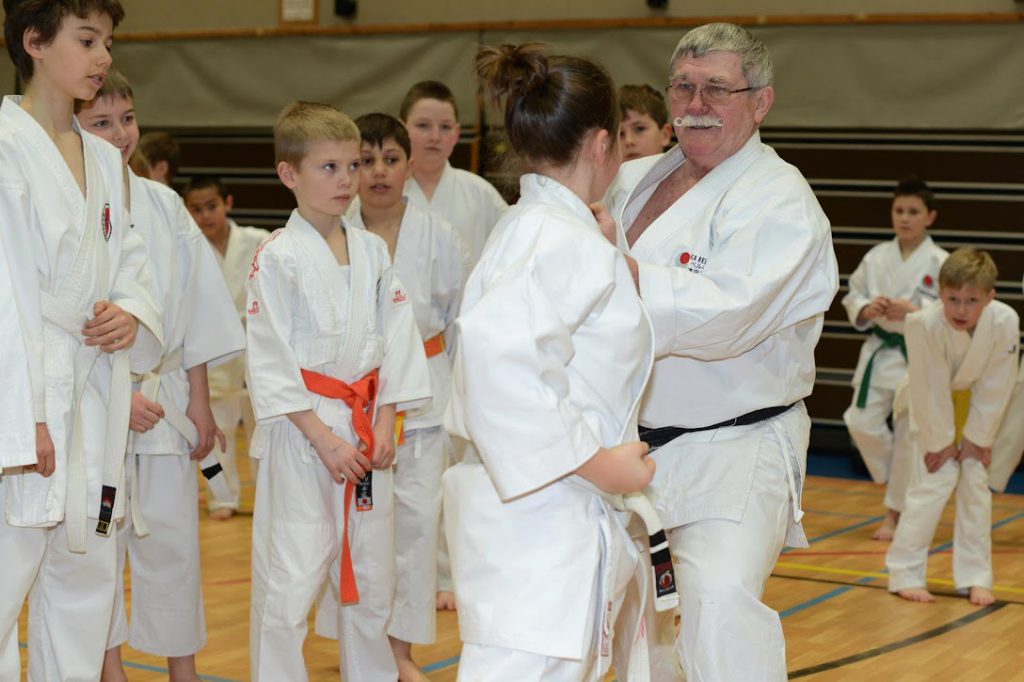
<point>554,351</point>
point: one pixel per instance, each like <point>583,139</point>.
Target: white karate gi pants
<point>296,543</point>
<point>1009,443</point>
<point>167,599</point>
<point>901,467</point>
<point>727,633</point>
<point>480,663</point>
<point>226,413</point>
<point>870,432</point>
<point>70,601</point>
<point>907,559</point>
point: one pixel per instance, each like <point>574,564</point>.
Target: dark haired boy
<point>210,203</point>
<point>93,321</point>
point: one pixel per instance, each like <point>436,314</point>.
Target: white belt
<point>210,466</point>
<point>71,320</point>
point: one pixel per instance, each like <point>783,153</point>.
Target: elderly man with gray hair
<point>733,258</point>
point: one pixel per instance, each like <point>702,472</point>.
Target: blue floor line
<point>437,665</point>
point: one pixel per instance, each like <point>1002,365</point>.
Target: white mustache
<point>690,121</point>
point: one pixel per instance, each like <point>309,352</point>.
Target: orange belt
<point>434,345</point>
<point>361,398</point>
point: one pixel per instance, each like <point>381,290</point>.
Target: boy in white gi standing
<point>209,202</point>
<point>429,258</point>
<point>895,278</point>
<point>94,322</point>
<point>333,350</point>
<point>962,357</point>
<point>170,413</point>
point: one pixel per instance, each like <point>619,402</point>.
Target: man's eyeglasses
<point>684,92</point>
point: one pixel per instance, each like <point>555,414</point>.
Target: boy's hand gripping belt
<point>361,397</point>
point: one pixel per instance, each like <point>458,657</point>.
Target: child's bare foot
<point>408,671</point>
<point>182,669</point>
<point>981,596</point>
<point>918,594</point>
<point>886,531</point>
<point>113,671</point>
<point>222,514</point>
<point>446,601</point>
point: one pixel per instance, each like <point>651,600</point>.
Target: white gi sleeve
<point>404,377</point>
<point>776,269</point>
<point>213,332</point>
<point>133,292</point>
<point>20,219</point>
<point>858,295</point>
<point>929,376</point>
<point>512,366</point>
<point>274,377</point>
<point>451,278</point>
<point>990,394</point>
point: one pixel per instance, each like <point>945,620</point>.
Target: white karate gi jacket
<point>467,201</point>
<point>883,272</point>
<point>943,359</point>
<point>431,262</point>
<point>199,318</point>
<point>227,380</point>
<point>84,251</point>
<point>553,352</point>
<point>736,276</point>
<point>17,284</point>
<point>295,322</point>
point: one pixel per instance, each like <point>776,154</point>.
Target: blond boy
<point>962,363</point>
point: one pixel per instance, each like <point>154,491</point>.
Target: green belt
<point>889,340</point>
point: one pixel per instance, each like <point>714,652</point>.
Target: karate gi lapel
<point>665,231</point>
<point>976,358</point>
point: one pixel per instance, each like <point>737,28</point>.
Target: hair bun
<point>911,184</point>
<point>512,70</point>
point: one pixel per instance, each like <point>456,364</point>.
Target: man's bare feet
<point>113,670</point>
<point>981,596</point>
<point>886,531</point>
<point>222,514</point>
<point>445,601</point>
<point>408,671</point>
<point>918,594</point>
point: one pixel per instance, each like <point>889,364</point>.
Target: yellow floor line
<point>881,576</point>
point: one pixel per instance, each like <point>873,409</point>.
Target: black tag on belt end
<point>364,493</point>
<point>107,497</point>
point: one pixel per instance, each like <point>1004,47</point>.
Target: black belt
<point>655,438</point>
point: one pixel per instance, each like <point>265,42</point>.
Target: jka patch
<point>928,281</point>
<point>107,228</point>
<point>691,261</point>
<point>254,309</point>
<point>399,296</point>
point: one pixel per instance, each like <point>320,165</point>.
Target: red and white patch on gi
<point>691,261</point>
<point>254,309</point>
<point>928,281</point>
<point>399,296</point>
<point>107,227</point>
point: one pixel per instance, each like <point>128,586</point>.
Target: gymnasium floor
<point>840,622</point>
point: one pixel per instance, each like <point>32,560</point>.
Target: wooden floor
<point>840,622</point>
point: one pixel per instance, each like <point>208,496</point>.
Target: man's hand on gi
<point>111,328</point>
<point>934,460</point>
<point>604,218</point>
<point>898,309</point>
<point>876,308</point>
<point>343,461</point>
<point>145,413</point>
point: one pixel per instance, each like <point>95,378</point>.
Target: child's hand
<point>625,468</point>
<point>874,309</point>
<point>934,460</point>
<point>201,415</point>
<point>605,221</point>
<point>969,450</point>
<point>46,459</point>
<point>111,328</point>
<point>383,455</point>
<point>342,460</point>
<point>145,413</point>
<point>898,309</point>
